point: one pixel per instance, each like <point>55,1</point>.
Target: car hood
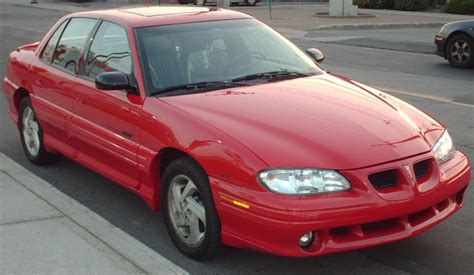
<point>322,121</point>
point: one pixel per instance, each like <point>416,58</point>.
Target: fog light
<point>307,239</point>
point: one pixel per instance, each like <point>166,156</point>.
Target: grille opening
<point>384,179</point>
<point>341,231</point>
<point>342,234</point>
<point>422,169</point>
<point>442,205</point>
<point>420,217</point>
<point>382,227</point>
<point>460,196</point>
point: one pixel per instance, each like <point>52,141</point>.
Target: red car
<point>234,133</point>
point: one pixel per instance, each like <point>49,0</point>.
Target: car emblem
<point>409,171</point>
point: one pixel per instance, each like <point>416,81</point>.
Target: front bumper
<point>359,218</point>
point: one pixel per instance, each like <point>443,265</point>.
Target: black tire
<point>456,56</point>
<point>43,157</point>
<point>184,2</point>
<point>211,243</point>
<point>251,3</point>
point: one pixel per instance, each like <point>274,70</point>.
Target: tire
<point>460,51</point>
<point>184,2</point>
<point>188,209</point>
<point>31,135</point>
<point>200,2</point>
<point>251,3</point>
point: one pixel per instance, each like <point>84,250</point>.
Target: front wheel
<point>31,135</point>
<point>459,51</point>
<point>189,211</point>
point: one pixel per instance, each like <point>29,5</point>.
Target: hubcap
<point>251,2</point>
<point>200,2</point>
<point>31,132</point>
<point>460,51</point>
<point>186,210</point>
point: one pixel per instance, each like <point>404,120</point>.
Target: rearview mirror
<point>112,81</point>
<point>315,54</point>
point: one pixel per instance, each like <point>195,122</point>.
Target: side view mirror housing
<point>315,54</point>
<point>113,81</point>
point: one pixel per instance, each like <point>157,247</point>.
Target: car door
<point>53,85</point>
<point>105,123</point>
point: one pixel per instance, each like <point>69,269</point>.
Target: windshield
<point>216,51</point>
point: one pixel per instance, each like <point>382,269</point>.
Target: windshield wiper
<point>198,85</point>
<point>272,75</point>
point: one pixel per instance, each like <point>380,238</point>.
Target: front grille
<point>422,168</point>
<point>388,178</point>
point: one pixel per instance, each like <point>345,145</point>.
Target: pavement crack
<point>33,220</point>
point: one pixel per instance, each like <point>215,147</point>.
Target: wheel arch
<point>18,96</point>
<point>158,166</point>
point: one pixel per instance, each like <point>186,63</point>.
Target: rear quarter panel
<point>18,76</point>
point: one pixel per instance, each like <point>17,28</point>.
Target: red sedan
<point>234,133</point>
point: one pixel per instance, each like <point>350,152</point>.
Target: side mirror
<point>315,54</point>
<point>112,81</point>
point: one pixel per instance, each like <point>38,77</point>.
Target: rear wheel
<point>189,211</point>
<point>31,135</point>
<point>459,51</point>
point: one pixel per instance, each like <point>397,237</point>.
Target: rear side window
<point>48,51</point>
<point>72,42</point>
<point>109,51</point>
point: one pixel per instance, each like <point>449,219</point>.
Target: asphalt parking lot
<point>407,70</point>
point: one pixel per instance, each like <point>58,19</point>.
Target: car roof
<point>143,16</point>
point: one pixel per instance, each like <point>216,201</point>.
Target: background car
<point>232,2</point>
<point>455,42</point>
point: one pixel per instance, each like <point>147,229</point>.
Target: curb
<point>377,26</point>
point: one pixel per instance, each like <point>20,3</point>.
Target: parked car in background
<point>237,135</point>
<point>455,42</point>
<point>232,2</point>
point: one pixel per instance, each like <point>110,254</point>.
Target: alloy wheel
<point>186,210</point>
<point>460,51</point>
<point>31,133</point>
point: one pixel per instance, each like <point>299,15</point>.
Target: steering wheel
<point>235,62</point>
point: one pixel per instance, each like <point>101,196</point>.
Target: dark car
<point>455,42</point>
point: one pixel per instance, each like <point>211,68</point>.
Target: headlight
<point>303,181</point>
<point>444,148</point>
